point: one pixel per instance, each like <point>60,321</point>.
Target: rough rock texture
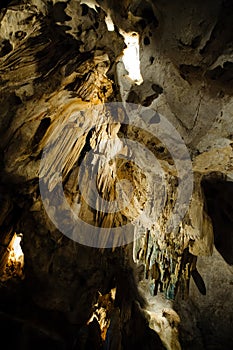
<point>164,289</point>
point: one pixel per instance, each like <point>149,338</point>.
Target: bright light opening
<point>131,58</point>
<point>14,260</point>
<point>109,23</point>
<point>17,252</point>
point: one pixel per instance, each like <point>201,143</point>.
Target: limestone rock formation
<point>116,174</point>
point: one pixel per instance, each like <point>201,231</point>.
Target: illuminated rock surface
<point>59,65</point>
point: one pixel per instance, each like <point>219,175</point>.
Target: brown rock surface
<point>60,66</point>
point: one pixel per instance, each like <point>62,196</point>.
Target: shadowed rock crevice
<point>218,195</point>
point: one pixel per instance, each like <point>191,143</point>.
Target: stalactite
<point>63,66</point>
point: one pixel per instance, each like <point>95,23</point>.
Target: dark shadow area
<point>143,9</point>
<point>219,194</point>
<point>144,338</point>
<point>5,3</point>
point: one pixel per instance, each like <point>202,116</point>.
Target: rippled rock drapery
<point>57,59</point>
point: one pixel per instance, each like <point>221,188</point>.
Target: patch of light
<point>109,23</point>
<point>103,310</point>
<point>113,293</point>
<point>90,3</point>
<point>16,248</point>
<point>13,265</point>
<point>130,57</point>
<point>92,319</point>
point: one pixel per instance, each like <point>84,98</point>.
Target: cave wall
<point>57,60</point>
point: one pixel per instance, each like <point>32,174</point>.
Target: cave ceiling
<point>116,153</point>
